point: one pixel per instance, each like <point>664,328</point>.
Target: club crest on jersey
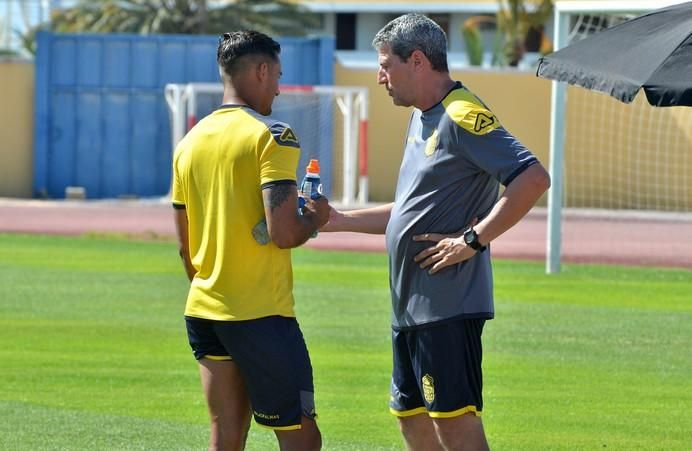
<point>431,143</point>
<point>428,388</point>
<point>483,121</point>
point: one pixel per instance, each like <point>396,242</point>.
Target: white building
<point>354,23</point>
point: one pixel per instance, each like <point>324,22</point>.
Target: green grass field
<point>93,353</point>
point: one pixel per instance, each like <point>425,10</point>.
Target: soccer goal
<point>331,123</point>
<point>622,173</point>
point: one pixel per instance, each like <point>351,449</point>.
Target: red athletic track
<point>666,243</point>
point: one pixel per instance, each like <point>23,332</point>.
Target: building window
<point>345,31</point>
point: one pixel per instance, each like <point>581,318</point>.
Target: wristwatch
<point>471,240</point>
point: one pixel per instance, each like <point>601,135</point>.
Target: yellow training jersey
<point>219,169</point>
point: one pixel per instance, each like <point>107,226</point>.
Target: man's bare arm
<point>368,220</point>
<point>181,228</point>
<point>516,200</point>
<point>287,228</point>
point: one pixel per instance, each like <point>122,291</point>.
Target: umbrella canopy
<point>653,51</point>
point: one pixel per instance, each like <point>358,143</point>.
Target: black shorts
<point>273,359</point>
<point>437,369</point>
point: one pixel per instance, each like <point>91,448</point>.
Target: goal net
<point>330,122</point>
<point>627,174</point>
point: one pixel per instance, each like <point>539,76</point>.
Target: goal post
<point>601,151</point>
<point>331,123</point>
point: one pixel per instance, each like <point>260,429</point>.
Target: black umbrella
<point>653,51</point>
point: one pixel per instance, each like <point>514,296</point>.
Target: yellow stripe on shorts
<point>218,357</point>
<point>455,413</point>
<point>280,428</point>
<point>408,413</point>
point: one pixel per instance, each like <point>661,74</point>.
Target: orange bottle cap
<point>313,167</point>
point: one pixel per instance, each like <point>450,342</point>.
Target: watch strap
<point>474,243</point>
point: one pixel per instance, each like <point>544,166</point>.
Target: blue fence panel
<point>116,144</point>
<point>89,146</point>
<point>101,117</point>
<point>62,138</point>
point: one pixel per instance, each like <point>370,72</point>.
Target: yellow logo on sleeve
<point>288,136</point>
<point>483,121</point>
<point>469,113</point>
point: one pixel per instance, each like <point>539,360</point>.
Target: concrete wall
<point>16,128</point>
<point>519,99</point>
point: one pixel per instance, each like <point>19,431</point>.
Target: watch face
<point>469,236</point>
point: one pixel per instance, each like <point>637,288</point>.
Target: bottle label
<point>307,189</point>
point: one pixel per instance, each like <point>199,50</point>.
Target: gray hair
<point>411,32</point>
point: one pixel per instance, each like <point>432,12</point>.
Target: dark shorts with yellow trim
<point>437,369</point>
<point>272,357</point>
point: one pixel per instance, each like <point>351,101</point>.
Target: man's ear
<point>262,71</point>
<point>418,59</point>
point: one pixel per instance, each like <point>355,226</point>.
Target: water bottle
<point>311,186</point>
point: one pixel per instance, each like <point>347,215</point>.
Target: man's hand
<point>318,210</point>
<point>182,229</point>
<point>449,250</point>
<point>287,227</point>
<point>336,220</point>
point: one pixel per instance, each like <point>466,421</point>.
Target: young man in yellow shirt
<point>235,198</point>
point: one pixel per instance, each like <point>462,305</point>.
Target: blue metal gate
<point>101,120</point>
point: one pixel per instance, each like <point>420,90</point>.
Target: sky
<point>18,15</point>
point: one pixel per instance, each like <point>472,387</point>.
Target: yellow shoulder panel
<point>467,111</point>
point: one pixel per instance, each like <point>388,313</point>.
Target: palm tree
<point>470,29</point>
<point>279,17</point>
<point>276,17</point>
<point>520,26</point>
<point>520,29</point>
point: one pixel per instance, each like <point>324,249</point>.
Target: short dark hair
<point>237,44</point>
